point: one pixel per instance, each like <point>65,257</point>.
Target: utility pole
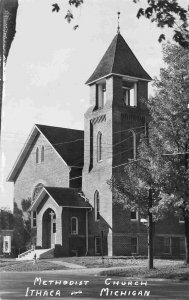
<point>150,219</point>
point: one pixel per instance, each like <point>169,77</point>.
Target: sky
<point>49,63</point>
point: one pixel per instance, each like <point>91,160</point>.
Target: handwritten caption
<point>109,288</point>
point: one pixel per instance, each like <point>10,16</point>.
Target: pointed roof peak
<point>119,59</point>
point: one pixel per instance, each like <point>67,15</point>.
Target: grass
<point>20,266</point>
<point>167,270</point>
<point>128,267</point>
<point>131,267</point>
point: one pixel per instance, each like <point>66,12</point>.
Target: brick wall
<point>52,172</point>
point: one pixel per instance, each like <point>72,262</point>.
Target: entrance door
<point>49,229</point>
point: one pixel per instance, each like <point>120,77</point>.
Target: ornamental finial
<point>118,27</point>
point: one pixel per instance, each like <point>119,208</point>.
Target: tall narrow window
<point>42,153</point>
<point>100,95</point>
<point>37,155</point>
<point>166,244</point>
<point>133,145</point>
<point>97,245</point>
<point>97,206</point>
<point>74,225</point>
<point>130,93</point>
<point>99,146</point>
<point>134,245</point>
<point>34,219</point>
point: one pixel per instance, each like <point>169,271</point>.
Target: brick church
<point>65,171</point>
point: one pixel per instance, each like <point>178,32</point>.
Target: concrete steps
<point>40,253</point>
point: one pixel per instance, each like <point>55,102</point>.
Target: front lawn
<point>20,266</point>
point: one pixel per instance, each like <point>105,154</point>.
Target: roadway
<point>62,285</point>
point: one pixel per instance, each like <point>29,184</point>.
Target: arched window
<point>99,146</point>
<point>128,146</point>
<point>42,153</point>
<point>97,206</point>
<point>132,145</point>
<point>74,225</point>
<point>37,155</point>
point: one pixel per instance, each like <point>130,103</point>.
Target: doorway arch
<point>49,229</point>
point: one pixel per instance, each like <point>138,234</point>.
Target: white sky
<point>49,63</point>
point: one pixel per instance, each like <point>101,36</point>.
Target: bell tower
<point>113,123</point>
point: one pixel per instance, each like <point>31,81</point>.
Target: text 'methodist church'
<point>65,171</point>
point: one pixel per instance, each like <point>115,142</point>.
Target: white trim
<point>22,154</point>
<point>134,220</point>
<point>75,207</point>
<point>25,150</point>
<point>123,76</point>
<point>39,199</point>
<point>180,220</point>
<point>97,212</point>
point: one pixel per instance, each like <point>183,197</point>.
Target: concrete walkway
<point>66,264</point>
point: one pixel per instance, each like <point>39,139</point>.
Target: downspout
<point>87,233</point>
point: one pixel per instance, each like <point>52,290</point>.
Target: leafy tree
<point>168,13</point>
<point>6,219</point>
<point>26,203</point>
<point>140,187</point>
<point>165,13</point>
<point>170,118</point>
<point>159,180</point>
<point>21,234</point>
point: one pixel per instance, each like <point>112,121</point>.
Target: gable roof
<point>68,143</point>
<point>119,59</point>
<point>65,197</point>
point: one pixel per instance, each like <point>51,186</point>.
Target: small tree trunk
<point>186,223</point>
<point>150,232</point>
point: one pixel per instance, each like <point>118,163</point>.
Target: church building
<point>65,171</point>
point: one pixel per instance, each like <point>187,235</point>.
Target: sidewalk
<point>67,265</point>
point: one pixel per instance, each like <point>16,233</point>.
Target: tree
<point>170,118</point>
<point>162,166</point>
<point>140,188</point>
<point>165,13</point>
<point>168,13</point>
<point>21,234</point>
<point>6,219</point>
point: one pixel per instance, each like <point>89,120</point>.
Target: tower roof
<point>119,59</point>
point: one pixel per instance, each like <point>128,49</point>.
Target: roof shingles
<point>67,197</point>
<point>69,143</point>
<point>119,59</point>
